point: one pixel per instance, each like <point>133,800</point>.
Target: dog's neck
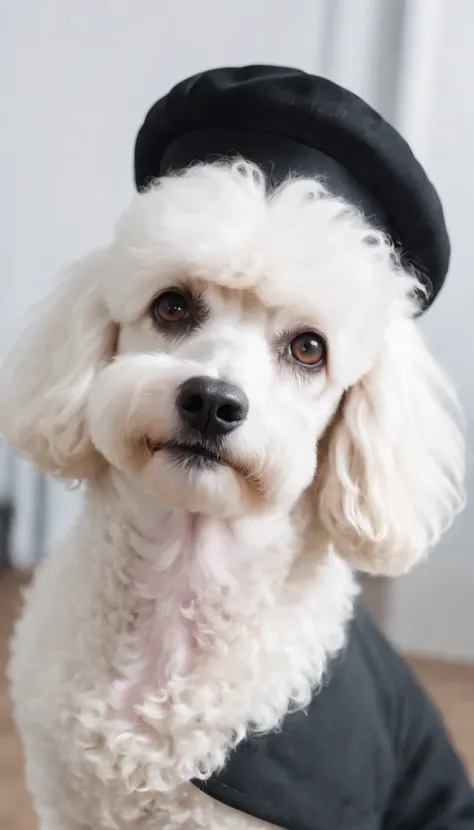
<point>208,629</point>
<point>202,584</point>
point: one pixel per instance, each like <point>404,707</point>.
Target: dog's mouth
<point>199,457</point>
<point>194,456</point>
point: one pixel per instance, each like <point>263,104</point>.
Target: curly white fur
<point>187,608</point>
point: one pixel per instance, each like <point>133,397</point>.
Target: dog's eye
<point>309,349</point>
<point>170,307</point>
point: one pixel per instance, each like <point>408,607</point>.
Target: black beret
<point>288,121</point>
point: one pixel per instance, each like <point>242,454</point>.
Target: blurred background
<point>77,79</point>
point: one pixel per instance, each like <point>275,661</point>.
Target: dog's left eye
<point>309,349</point>
<point>170,307</point>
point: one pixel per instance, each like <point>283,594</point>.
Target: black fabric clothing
<point>288,121</point>
<point>370,753</point>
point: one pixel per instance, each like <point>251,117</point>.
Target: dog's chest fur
<point>164,650</point>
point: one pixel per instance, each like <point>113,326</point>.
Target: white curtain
<point>79,77</point>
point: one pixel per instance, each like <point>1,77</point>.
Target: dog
<point>239,384</point>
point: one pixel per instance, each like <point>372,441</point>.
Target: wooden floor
<point>451,686</point>
<point>15,809</point>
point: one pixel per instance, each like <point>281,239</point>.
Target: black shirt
<point>370,753</point>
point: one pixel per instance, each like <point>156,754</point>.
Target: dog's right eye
<point>170,307</point>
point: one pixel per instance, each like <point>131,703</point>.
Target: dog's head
<point>234,348</point>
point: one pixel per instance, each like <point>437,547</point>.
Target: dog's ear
<point>392,463</point>
<point>45,383</point>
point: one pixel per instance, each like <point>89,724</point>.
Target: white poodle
<point>239,382</point>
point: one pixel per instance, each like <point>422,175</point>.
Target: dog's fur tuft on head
<point>213,543</point>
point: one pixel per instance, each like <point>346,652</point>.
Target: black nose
<point>212,407</point>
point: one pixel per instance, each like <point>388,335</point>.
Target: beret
<point>289,121</point>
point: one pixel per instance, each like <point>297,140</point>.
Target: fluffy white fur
<point>186,608</point>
